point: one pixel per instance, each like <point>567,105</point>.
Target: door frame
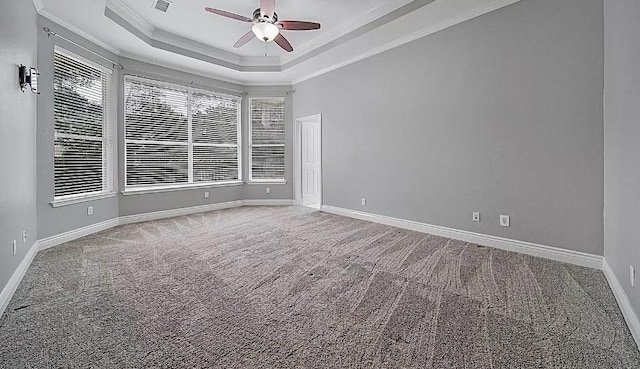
<point>297,156</point>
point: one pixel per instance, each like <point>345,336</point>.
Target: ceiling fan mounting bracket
<point>259,17</point>
<point>266,26</point>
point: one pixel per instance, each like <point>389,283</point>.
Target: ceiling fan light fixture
<point>265,31</point>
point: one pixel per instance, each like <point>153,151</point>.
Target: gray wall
<point>501,114</point>
<point>622,141</point>
<point>144,203</point>
<point>18,130</point>
<point>53,221</point>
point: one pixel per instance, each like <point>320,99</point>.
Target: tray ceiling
<point>187,37</point>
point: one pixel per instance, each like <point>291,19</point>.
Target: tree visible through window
<point>80,114</point>
<point>267,139</point>
<point>175,135</point>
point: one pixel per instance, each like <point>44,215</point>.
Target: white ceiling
<point>187,18</point>
<point>351,30</point>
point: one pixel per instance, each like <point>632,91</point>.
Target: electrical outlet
<point>632,275</point>
<point>24,237</point>
<point>268,189</point>
<point>364,201</point>
<point>206,194</point>
<point>15,247</point>
<point>476,216</point>
<point>90,210</point>
<point>504,221</point>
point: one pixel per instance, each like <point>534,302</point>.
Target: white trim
<point>45,13</point>
<point>108,127</point>
<point>269,202</point>
<point>553,253</point>
<point>267,182</point>
<point>189,91</point>
<point>150,32</point>
<point>128,219</point>
<point>13,283</point>
<point>250,140</point>
<point>80,199</point>
<point>345,28</point>
<point>111,144</point>
<point>61,238</point>
<point>130,16</point>
<point>430,29</point>
<point>125,17</point>
<point>154,36</point>
<point>623,301</point>
<point>528,248</point>
<point>195,186</point>
<point>297,156</point>
<point>82,60</point>
<point>38,5</point>
<point>218,77</point>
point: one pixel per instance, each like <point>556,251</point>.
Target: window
<point>83,148</point>
<point>177,136</point>
<point>267,140</point>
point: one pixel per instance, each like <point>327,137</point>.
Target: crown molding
<point>38,4</point>
<point>152,61</point>
<point>126,18</point>
<point>165,40</point>
<point>345,28</point>
<point>412,37</point>
<point>46,14</point>
<point>130,16</point>
<point>170,39</point>
<point>162,40</point>
<point>215,76</point>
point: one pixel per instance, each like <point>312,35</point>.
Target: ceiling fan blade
<point>267,7</point>
<point>228,15</point>
<point>298,25</point>
<point>244,39</point>
<point>283,43</point>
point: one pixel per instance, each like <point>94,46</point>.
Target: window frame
<point>251,145</point>
<point>190,184</point>
<point>108,130</point>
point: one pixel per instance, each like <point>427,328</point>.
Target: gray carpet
<point>287,287</point>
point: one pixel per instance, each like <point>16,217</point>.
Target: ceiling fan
<point>266,26</point>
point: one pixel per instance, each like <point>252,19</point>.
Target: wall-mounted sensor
<point>28,78</point>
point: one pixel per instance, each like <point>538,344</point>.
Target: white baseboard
<point>623,301</point>
<point>128,219</point>
<point>61,238</point>
<point>46,243</point>
<point>547,252</point>
<point>276,202</point>
<point>573,257</point>
<point>11,286</point>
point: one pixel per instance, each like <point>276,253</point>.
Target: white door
<point>311,154</point>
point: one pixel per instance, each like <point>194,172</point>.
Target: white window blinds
<point>267,139</point>
<point>179,136</point>
<point>82,146</point>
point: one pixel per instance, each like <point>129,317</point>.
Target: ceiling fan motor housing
<point>259,17</point>
<point>265,25</point>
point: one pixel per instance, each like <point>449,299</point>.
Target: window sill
<point>80,199</point>
<point>149,190</point>
<point>263,182</point>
